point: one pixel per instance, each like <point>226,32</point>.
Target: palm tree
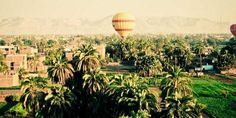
<point>91,94</point>
<point>148,65</point>
<point>52,54</point>
<point>3,66</point>
<point>58,103</point>
<point>41,45</point>
<point>177,52</point>
<point>86,60</point>
<point>176,84</point>
<point>33,62</point>
<point>21,73</point>
<point>177,94</point>
<point>199,50</point>
<point>232,43</point>
<point>60,71</point>
<point>130,94</point>
<point>95,81</point>
<point>138,114</point>
<point>183,107</point>
<point>33,92</point>
<point>225,59</point>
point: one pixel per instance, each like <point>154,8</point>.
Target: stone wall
<point>5,93</point>
<point>9,80</point>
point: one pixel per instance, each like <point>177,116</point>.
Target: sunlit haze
<point>221,12</point>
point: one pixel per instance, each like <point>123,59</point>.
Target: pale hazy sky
<point>217,10</point>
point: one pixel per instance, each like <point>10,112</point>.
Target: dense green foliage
<point>158,86</point>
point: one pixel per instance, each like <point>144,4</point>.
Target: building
<point>9,80</point>
<point>8,50</point>
<point>14,63</point>
<point>27,50</point>
<point>69,56</point>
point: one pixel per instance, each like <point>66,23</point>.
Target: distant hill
<point>19,25</point>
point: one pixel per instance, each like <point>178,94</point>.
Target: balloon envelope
<point>123,23</point>
<point>233,29</point>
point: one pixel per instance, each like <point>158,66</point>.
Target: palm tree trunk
<point>176,60</point>
<point>33,111</point>
<point>200,60</point>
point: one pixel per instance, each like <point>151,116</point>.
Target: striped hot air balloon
<point>123,23</point>
<point>233,29</point>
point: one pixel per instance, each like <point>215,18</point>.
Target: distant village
<point>26,60</point>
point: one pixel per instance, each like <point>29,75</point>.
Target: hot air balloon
<point>233,29</point>
<point>123,23</point>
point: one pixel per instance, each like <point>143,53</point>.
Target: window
<point>12,65</point>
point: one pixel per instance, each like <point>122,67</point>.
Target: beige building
<point>8,50</point>
<point>14,63</point>
<point>27,50</point>
<point>69,55</point>
<point>9,80</point>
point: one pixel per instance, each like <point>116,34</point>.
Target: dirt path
<point>118,68</point>
<point>222,79</point>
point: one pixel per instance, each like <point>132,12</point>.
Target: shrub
<point>12,99</point>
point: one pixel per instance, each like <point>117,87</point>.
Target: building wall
<point>15,62</point>
<point>8,50</point>
<point>69,56</point>
<point>5,93</point>
<point>27,50</point>
<point>9,80</point>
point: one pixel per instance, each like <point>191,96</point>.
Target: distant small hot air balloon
<point>123,23</point>
<point>233,29</point>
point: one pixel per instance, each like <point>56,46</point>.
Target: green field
<point>219,97</point>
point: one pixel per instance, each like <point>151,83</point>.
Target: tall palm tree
<point>176,84</point>
<point>33,92</point>
<point>60,71</point>
<point>58,103</point>
<point>86,60</point>
<point>177,53</point>
<point>95,81</point>
<point>130,94</point>
<point>41,45</point>
<point>148,65</point>
<point>225,59</point>
<point>33,62</point>
<point>199,50</point>
<point>183,107</point>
